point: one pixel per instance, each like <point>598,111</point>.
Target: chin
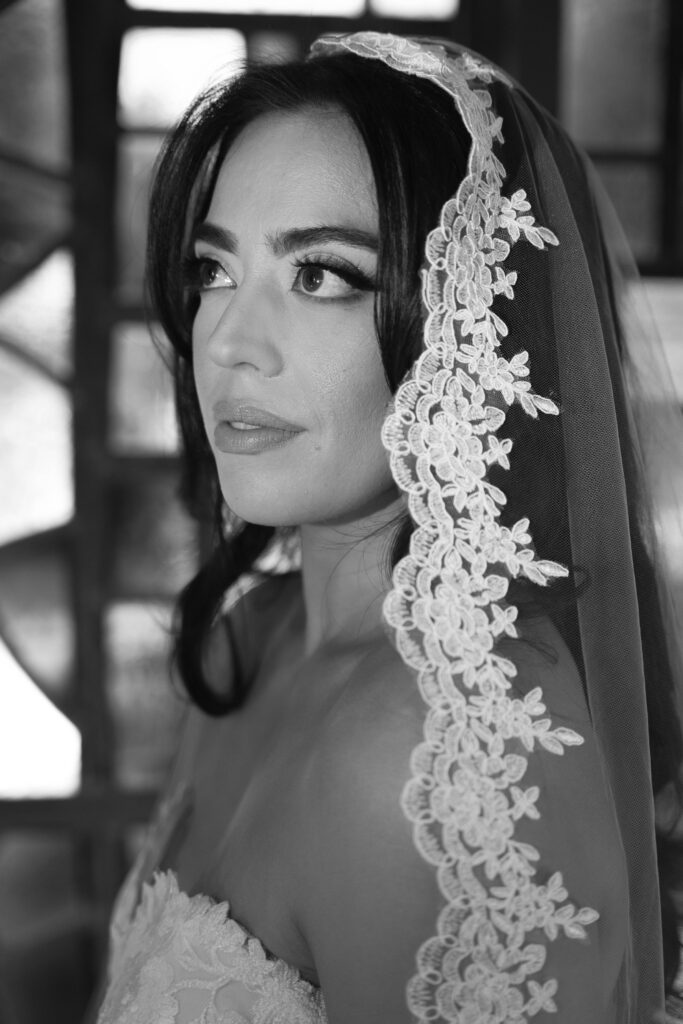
<point>264,503</point>
<point>292,509</point>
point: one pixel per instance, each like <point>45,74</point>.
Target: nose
<point>246,332</point>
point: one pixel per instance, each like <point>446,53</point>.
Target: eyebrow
<point>213,235</point>
<point>283,242</point>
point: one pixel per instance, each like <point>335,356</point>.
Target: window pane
<point>35,609</point>
<point>612,82</point>
<point>44,925</point>
<point>153,539</point>
<point>136,159</point>
<point>415,8</point>
<point>33,82</point>
<point>163,69</point>
<point>142,412</point>
<point>146,709</point>
<point>634,189</point>
<point>350,8</point>
<point>40,749</point>
<point>35,451</point>
<point>36,314</point>
<point>273,46</point>
<point>34,219</point>
<point>666,300</point>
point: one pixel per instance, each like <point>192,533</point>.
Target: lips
<point>241,412</point>
<point>257,430</point>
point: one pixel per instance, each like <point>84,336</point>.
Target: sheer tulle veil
<point>523,247</point>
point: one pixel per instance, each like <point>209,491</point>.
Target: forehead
<point>283,167</point>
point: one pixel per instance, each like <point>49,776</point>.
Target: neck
<point>345,578</point>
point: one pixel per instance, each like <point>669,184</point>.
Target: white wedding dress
<point>179,959</point>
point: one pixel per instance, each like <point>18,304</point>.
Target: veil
<point>527,286</point>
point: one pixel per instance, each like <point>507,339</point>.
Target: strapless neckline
<point>181,959</point>
<point>164,886</point>
<point>148,875</point>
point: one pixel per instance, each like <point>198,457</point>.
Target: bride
<point>429,640</point>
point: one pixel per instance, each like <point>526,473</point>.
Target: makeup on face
<point>286,359</point>
<point>326,275</point>
<point>245,430</point>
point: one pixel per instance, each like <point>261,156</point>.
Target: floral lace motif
<point>447,605</point>
<point>179,959</point>
<point>184,960</point>
<point>166,820</point>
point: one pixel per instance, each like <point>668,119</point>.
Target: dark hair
<point>418,152</point>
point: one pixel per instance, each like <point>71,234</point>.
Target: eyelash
<point>192,268</point>
<point>354,276</point>
<point>347,272</point>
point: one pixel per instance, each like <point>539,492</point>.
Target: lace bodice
<point>179,959</point>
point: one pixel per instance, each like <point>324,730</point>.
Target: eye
<point>202,273</point>
<point>330,280</point>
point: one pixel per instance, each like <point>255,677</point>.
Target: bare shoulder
<point>360,759</point>
<point>361,866</point>
<point>575,831</point>
<point>380,688</point>
<point>367,900</point>
<point>543,660</point>
<point>372,728</point>
<point>577,816</point>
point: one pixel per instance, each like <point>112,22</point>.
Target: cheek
<point>352,390</point>
<point>202,373</point>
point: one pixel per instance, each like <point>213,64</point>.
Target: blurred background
<point>93,542</point>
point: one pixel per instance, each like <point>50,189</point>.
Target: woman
<point>391,249</point>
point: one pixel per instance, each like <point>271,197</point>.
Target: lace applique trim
<point>166,819</point>
<point>447,604</point>
<point>176,943</point>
